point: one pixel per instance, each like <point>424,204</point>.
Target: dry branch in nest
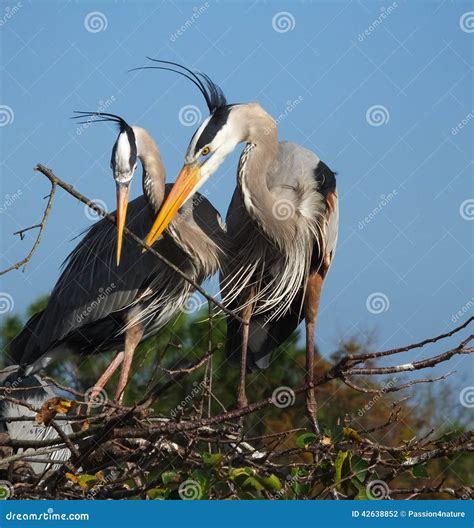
<point>125,451</point>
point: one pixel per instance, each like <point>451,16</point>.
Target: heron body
<point>277,244</point>
<point>97,306</point>
<point>282,222</point>
<point>286,208</point>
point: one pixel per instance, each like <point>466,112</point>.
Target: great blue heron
<point>97,306</point>
<point>283,224</point>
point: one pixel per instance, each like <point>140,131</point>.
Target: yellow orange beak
<point>185,183</point>
<point>122,205</point>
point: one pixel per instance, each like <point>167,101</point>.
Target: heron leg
<point>104,379</point>
<point>133,336</point>
<point>311,305</point>
<point>241,395</point>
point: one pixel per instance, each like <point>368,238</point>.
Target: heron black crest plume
<point>123,126</point>
<point>212,93</point>
<point>103,117</point>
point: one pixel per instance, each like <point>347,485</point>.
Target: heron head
<point>219,134</point>
<point>213,141</point>
<point>123,164</point>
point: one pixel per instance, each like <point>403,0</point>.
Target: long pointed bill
<point>122,205</point>
<point>186,182</point>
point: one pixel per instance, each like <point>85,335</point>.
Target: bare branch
<point>41,226</point>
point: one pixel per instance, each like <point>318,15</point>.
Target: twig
<point>421,344</point>
<point>41,226</point>
<point>408,367</point>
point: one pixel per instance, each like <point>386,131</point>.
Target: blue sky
<point>382,92</point>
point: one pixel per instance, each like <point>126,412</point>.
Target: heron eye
<point>205,151</point>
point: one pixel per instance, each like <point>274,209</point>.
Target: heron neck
<point>154,174</point>
<point>255,160</point>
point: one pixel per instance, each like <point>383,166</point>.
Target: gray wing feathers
<point>91,286</point>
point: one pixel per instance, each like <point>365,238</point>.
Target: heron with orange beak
<point>282,223</point>
<point>111,296</point>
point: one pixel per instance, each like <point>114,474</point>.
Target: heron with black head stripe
<point>110,295</point>
<point>283,225</point>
